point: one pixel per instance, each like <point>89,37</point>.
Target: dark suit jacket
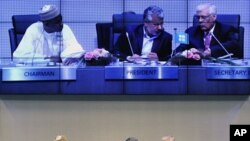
<point>226,34</point>
<point>162,45</point>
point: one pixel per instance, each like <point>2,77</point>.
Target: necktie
<point>207,40</point>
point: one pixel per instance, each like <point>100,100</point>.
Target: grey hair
<point>152,10</point>
<point>211,8</point>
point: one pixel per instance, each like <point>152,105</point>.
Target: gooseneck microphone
<point>173,50</point>
<point>36,46</point>
<point>131,49</point>
<point>227,53</point>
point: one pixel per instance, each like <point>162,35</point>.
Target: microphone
<point>131,49</point>
<point>228,54</point>
<point>173,50</point>
<point>36,46</point>
<point>59,38</point>
<point>32,59</point>
<point>225,56</point>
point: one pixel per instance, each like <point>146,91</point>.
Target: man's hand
<point>207,53</point>
<point>153,56</point>
<point>134,57</point>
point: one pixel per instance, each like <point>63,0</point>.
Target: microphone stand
<point>131,49</point>
<point>173,50</point>
<point>36,46</point>
<point>228,54</point>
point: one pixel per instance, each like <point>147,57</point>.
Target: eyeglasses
<point>197,17</point>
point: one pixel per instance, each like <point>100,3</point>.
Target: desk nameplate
<point>228,72</point>
<point>38,73</point>
<point>141,72</point>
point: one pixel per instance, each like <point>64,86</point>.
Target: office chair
<point>103,31</point>
<point>233,20</point>
<point>20,24</point>
<point>120,21</point>
<point>108,33</point>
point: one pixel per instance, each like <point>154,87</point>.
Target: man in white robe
<point>48,40</point>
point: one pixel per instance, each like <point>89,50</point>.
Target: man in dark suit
<point>148,40</point>
<point>202,42</point>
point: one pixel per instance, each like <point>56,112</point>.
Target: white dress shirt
<point>147,44</point>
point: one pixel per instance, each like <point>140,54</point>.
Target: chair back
<point>120,21</point>
<point>20,24</point>
<point>108,33</point>
<point>104,32</point>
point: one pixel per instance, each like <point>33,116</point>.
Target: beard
<point>54,28</point>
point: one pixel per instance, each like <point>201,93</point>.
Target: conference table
<point>126,79</point>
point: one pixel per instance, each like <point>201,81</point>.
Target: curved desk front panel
<point>93,80</point>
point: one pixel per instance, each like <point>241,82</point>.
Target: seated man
<point>148,40</point>
<point>48,39</point>
<point>202,42</point>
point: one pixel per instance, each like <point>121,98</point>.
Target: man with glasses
<point>48,40</point>
<point>148,40</point>
<point>202,42</point>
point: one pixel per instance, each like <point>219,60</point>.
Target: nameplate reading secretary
<point>228,72</point>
